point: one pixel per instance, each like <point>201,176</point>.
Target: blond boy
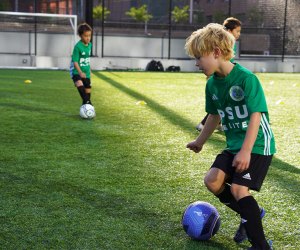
<point>235,97</point>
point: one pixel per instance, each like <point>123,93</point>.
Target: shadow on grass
<point>168,114</point>
<point>107,203</point>
<point>205,245</point>
<point>286,176</point>
<point>173,117</point>
<point>188,126</point>
<point>283,166</point>
<point>36,109</point>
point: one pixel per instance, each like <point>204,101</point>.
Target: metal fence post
<point>170,28</point>
<point>102,31</point>
<point>284,31</point>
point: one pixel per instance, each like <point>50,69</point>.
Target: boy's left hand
<point>241,161</point>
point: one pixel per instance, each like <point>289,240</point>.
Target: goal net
<point>37,34</point>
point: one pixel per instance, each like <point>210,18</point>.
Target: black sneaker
<point>241,234</point>
<point>268,247</point>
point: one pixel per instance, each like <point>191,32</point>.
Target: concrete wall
<point>114,63</point>
<point>290,65</point>
<point>54,51</point>
<point>60,45</point>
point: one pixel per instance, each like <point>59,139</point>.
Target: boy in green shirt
<point>80,69</point>
<point>233,26</point>
<point>235,97</point>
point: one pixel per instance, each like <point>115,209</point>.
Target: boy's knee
<point>212,184</point>
<point>239,191</point>
<point>78,84</point>
<point>207,181</point>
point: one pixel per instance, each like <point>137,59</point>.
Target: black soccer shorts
<point>253,177</point>
<point>86,81</point>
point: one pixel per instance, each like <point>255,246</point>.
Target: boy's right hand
<point>194,146</point>
<point>82,75</point>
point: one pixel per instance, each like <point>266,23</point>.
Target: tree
<point>98,10</point>
<point>140,14</point>
<point>180,15</point>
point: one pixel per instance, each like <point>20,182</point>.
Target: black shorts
<point>253,177</point>
<point>86,81</point>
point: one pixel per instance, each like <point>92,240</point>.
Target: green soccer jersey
<point>81,55</point>
<point>235,97</point>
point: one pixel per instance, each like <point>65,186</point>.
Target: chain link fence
<point>269,28</point>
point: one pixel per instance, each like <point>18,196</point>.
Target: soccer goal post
<point>37,33</point>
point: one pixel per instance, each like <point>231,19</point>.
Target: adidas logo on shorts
<point>247,176</point>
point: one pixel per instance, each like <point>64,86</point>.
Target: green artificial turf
<point>123,179</point>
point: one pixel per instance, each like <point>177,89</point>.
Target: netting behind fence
<point>270,28</point>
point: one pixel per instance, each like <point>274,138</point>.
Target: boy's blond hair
<point>206,40</point>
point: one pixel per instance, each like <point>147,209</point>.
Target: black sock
<point>204,119</point>
<point>89,98</point>
<point>227,198</point>
<point>251,219</point>
<point>83,95</point>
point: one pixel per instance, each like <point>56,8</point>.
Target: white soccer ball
<point>87,111</point>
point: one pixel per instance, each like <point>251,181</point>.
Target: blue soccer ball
<point>201,220</point>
